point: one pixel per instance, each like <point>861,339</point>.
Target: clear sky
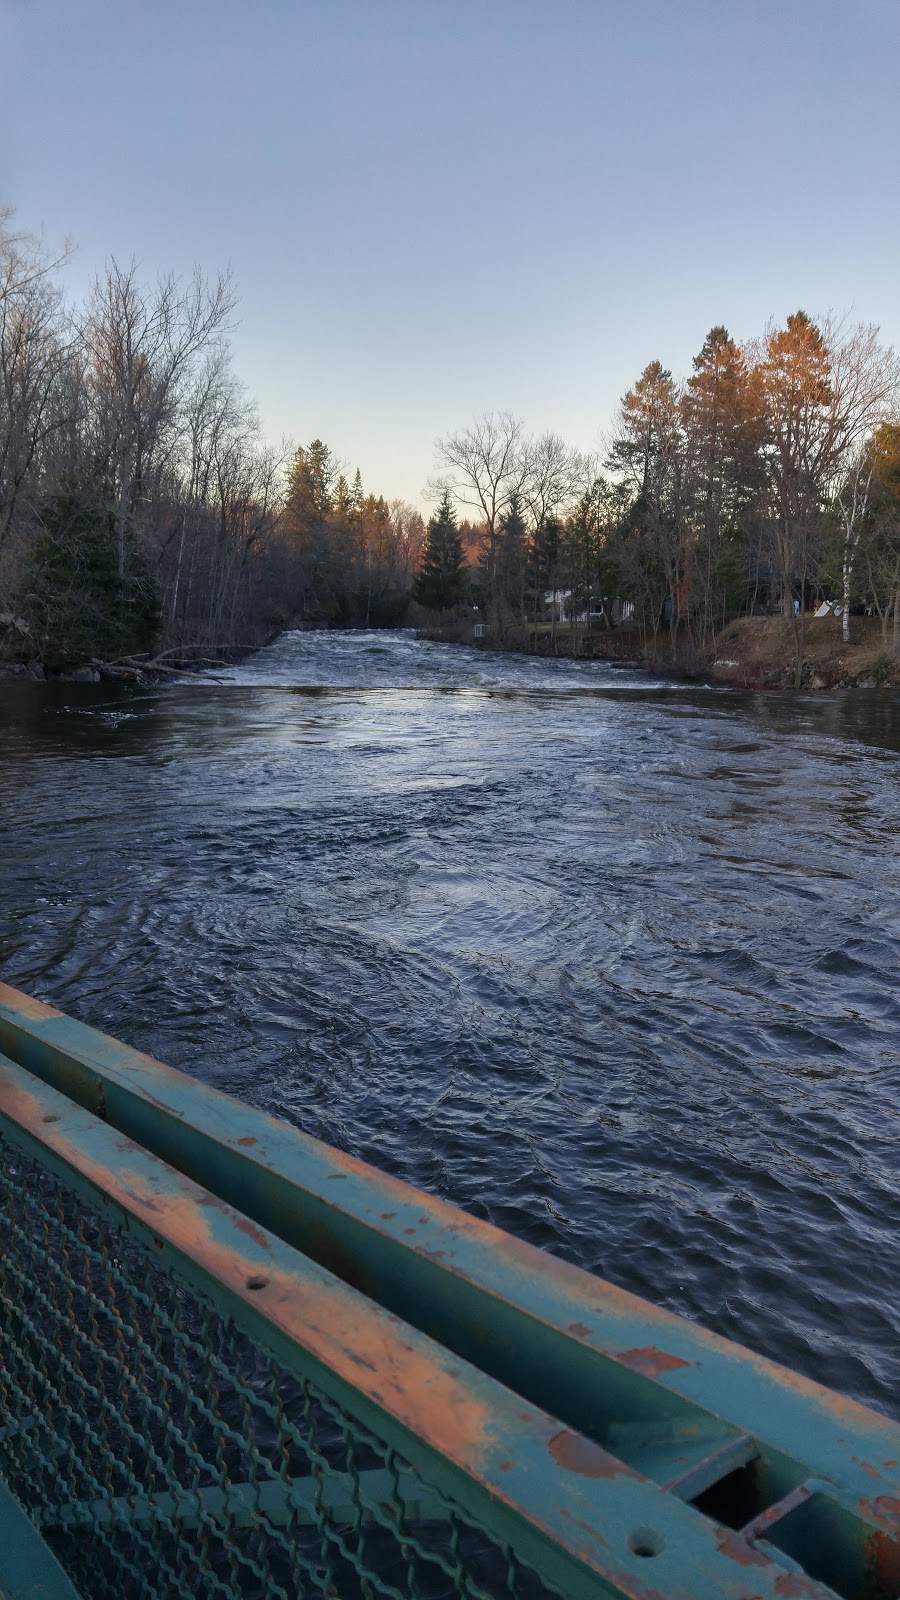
<point>439,207</point>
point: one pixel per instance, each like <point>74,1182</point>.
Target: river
<point>613,963</point>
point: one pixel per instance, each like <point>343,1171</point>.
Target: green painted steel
<point>237,1362</point>
<point>28,1571</point>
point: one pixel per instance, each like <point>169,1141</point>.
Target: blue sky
<point>435,209</point>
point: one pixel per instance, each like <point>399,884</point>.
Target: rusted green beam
<point>671,1399</point>
<point>589,1524</point>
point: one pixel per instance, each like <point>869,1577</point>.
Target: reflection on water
<point>612,963</point>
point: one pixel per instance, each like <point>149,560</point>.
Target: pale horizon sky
<point>434,210</point>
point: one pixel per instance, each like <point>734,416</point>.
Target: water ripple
<point>615,965</point>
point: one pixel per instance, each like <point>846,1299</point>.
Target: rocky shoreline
<point>176,663</point>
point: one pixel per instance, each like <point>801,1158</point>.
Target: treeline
<point>138,504</point>
<point>140,509</point>
<point>769,478</point>
<point>354,555</point>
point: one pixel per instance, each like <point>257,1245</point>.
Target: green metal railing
<point>236,1363</point>
<point>161,1450</point>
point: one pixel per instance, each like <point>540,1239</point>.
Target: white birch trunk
<point>852,515</point>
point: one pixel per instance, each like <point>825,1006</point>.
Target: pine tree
<point>512,558</point>
<point>311,487</point>
<point>544,559</point>
<point>356,501</point>
<point>342,499</point>
<point>78,606</point>
<point>721,477</point>
<point>440,583</point>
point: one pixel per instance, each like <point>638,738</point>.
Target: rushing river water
<point>611,963</point>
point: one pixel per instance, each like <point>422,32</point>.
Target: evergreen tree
<point>79,607</point>
<point>581,549</point>
<point>440,582</point>
<point>342,499</point>
<point>311,487</point>
<point>512,558</point>
<point>721,479</point>
<point>544,558</point>
<point>356,501</point>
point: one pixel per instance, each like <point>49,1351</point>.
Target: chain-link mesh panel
<point>162,1453</point>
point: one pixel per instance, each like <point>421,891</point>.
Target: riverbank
<point>759,653</point>
<point>750,653</point>
<point>139,669</point>
<point>541,639</point>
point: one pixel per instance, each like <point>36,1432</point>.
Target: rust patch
<point>386,1215</point>
<point>736,1549</point>
<point>14,1000</point>
<point>212,1202</point>
<point>580,1329</point>
<point>333,1331</point>
<point>412,1383</point>
<point>886,1508</point>
<point>873,1473</point>
<point>790,1586</point>
<point>650,1362</point>
<point>759,1526</point>
<point>247,1140</point>
<point>578,1454</point>
<point>258,1235</point>
<point>883,1563</point>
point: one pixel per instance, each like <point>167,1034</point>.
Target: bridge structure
<point>235,1362</point>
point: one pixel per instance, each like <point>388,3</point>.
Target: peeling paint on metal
<point>577,1454</point>
<point>737,1549</point>
<point>516,1295</point>
<point>650,1361</point>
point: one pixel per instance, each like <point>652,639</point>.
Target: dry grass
<point>760,651</point>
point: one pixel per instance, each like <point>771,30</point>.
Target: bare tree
<point>142,344</point>
<point>33,354</point>
<point>852,501</point>
<point>221,502</point>
<point>881,547</point>
<point>408,536</point>
<point>553,474</point>
<point>865,386</point>
<point>484,468</point>
<point>825,387</point>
